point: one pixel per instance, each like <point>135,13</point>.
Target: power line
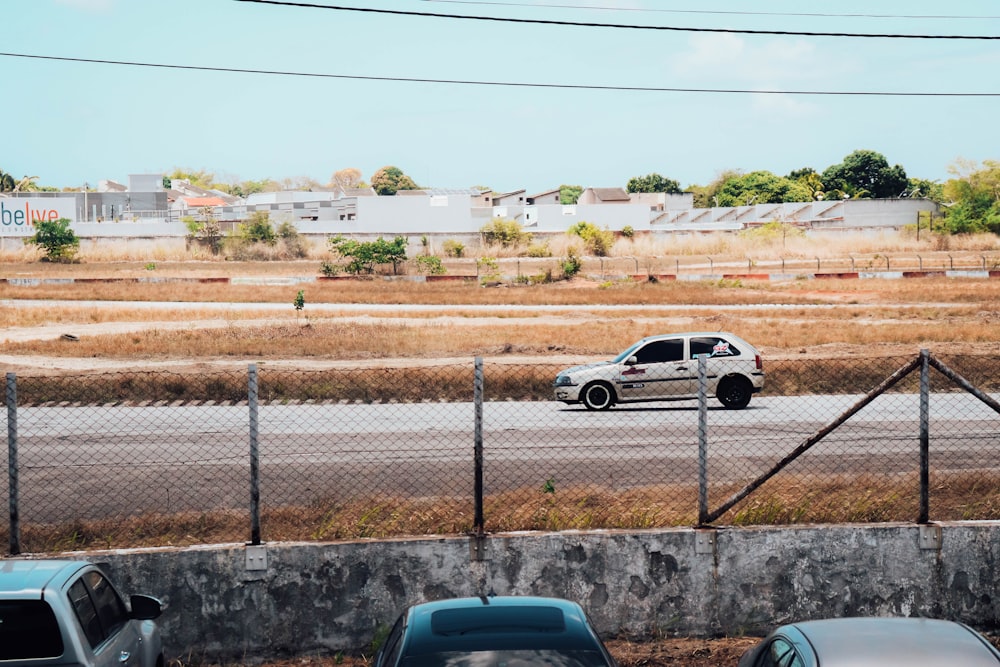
<point>579,24</point>
<point>511,84</point>
<point>718,12</point>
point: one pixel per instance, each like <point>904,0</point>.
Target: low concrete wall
<point>237,602</point>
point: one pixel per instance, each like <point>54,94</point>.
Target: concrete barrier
<point>227,602</point>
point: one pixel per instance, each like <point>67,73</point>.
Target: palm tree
<point>26,184</point>
<point>7,183</point>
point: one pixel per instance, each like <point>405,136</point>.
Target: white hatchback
<point>665,368</point>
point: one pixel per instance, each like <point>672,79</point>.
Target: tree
<point>975,193</point>
<point>761,187</point>
<point>364,256</point>
<point>346,179</point>
<point>258,229</point>
<point>57,239</point>
<point>706,196</point>
<point>653,183</point>
<point>570,194</point>
<point>506,233</point>
<point>597,240</point>
<point>866,174</point>
<point>389,180</point>
<point>810,178</point>
<point>7,182</point>
<point>199,178</point>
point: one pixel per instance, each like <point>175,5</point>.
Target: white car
<point>665,368</point>
<point>65,612</point>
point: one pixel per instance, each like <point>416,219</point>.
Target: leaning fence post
<point>925,457</point>
<point>254,456</point>
<point>702,441</point>
<point>15,518</point>
<point>478,520</point>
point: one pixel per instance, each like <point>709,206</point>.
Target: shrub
<point>489,270</point>
<point>571,264</point>
<point>364,256</point>
<point>628,232</point>
<point>506,233</point>
<point>453,248</point>
<point>430,265</point>
<point>598,241</point>
<point>258,229</point>
<point>57,239</point>
<point>539,250</point>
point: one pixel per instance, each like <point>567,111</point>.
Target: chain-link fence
<point>482,446</point>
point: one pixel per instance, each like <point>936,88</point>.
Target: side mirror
<point>145,607</point>
<point>632,361</point>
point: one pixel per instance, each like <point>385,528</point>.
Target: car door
<point>658,369</point>
<point>112,637</point>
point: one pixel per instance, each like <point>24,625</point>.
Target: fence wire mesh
<point>374,451</point>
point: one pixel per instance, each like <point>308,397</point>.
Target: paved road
<point>97,461</point>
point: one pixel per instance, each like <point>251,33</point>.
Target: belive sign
<point>18,216</point>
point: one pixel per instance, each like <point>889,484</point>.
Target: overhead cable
<point>579,24</point>
<point>660,10</point>
<point>513,84</point>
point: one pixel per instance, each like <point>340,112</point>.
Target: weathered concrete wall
<point>234,601</point>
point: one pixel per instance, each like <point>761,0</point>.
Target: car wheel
<point>598,396</point>
<point>734,392</point>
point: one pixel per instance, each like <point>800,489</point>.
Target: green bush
<point>57,240</point>
<point>453,248</point>
<point>430,265</point>
<point>506,233</point>
<point>598,241</point>
<point>364,256</point>
<point>571,264</point>
<point>539,250</point>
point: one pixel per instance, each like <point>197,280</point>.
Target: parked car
<point>863,642</point>
<point>503,630</point>
<point>665,368</point>
<point>60,612</point>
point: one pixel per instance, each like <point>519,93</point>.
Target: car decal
<point>634,371</point>
<point>721,349</point>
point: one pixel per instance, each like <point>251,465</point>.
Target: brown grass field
<point>792,319</point>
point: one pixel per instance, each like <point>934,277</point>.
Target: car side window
<point>661,351</point>
<point>86,612</point>
<point>393,643</point>
<point>110,608</point>
<point>781,653</point>
<point>712,347</point>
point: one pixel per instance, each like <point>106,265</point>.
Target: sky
<point>582,121</point>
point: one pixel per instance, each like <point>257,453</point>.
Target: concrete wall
<point>230,601</point>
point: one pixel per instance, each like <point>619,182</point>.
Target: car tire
<point>734,392</point>
<point>598,396</point>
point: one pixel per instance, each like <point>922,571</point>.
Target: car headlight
<point>563,381</point>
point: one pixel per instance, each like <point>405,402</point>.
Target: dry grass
<point>790,499</point>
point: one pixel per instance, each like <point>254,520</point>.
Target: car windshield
<point>28,630</point>
<point>627,353</point>
<point>509,658</point>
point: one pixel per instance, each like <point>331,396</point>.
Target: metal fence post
<point>254,456</point>
<point>15,518</point>
<point>478,520</point>
<point>925,388</point>
<point>702,440</point>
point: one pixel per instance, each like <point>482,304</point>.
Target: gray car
<point>871,642</point>
<point>63,612</point>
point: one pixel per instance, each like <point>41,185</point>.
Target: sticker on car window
<point>721,349</point>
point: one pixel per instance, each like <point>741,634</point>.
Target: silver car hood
<point>583,367</point>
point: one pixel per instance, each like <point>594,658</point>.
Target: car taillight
<point>760,364</point>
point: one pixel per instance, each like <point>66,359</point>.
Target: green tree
<point>364,256</point>
<point>197,177</point>
<point>7,182</point>
<point>653,183</point>
<point>974,194</point>
<point>811,179</point>
<point>706,196</point>
<point>258,229</point>
<point>389,180</point>
<point>761,187</point>
<point>866,174</point>
<point>57,239</point>
<point>570,194</point>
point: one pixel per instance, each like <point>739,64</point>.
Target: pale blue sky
<point>70,123</point>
